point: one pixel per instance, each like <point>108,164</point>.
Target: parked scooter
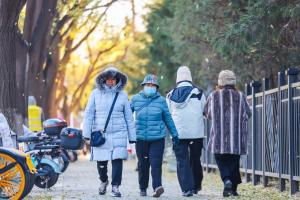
<point>47,153</point>
<point>46,158</point>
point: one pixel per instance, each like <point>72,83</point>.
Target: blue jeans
<point>150,154</point>
<point>189,168</point>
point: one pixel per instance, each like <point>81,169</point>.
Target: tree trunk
<point>21,76</point>
<point>9,13</point>
<point>50,84</point>
<point>37,29</point>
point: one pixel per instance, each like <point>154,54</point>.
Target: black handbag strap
<point>110,111</point>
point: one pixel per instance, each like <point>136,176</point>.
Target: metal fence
<point>273,133</point>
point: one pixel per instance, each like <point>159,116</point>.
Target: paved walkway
<point>80,181</point>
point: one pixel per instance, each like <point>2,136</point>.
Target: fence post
<point>255,88</point>
<point>265,86</point>
<point>247,175</point>
<point>292,77</point>
<point>281,82</point>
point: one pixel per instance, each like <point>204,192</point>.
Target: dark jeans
<point>150,153</point>
<point>189,168</point>
<point>117,168</point>
<point>229,166</point>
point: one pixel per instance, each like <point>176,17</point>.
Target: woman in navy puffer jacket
<point>152,117</point>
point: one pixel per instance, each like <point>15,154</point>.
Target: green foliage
<point>160,48</point>
<point>252,37</point>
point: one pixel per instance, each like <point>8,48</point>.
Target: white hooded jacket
<point>187,110</point>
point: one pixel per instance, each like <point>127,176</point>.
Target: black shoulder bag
<point>98,137</point>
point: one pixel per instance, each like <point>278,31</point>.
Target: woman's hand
<point>86,140</point>
<point>176,141</point>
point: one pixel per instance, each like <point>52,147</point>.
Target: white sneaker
<point>102,188</point>
<point>115,192</point>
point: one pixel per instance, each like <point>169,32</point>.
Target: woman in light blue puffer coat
<point>120,127</point>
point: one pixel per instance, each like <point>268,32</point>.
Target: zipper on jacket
<point>146,138</point>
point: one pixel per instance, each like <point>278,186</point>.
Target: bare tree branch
<point>89,32</point>
<point>102,6</point>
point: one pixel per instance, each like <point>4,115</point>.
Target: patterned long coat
<point>229,112</point>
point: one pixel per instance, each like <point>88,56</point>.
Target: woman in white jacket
<point>186,104</point>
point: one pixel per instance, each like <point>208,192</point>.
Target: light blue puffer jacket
<point>151,121</point>
<point>121,125</point>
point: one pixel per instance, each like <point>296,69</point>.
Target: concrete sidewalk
<point>80,181</point>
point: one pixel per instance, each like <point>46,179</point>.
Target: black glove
<point>132,142</point>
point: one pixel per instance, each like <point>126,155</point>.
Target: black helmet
<point>54,126</point>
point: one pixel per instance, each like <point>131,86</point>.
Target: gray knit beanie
<point>226,77</point>
<point>184,74</point>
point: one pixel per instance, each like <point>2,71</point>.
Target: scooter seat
<point>28,139</point>
<point>57,141</point>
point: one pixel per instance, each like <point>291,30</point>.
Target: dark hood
<point>180,94</point>
<point>183,92</point>
<point>111,72</point>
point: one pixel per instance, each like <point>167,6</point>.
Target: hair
<point>218,87</point>
<point>157,87</point>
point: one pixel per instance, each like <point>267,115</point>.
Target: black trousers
<point>117,168</point>
<point>229,166</point>
<point>189,168</point>
<point>150,153</point>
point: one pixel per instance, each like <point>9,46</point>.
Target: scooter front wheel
<point>48,180</point>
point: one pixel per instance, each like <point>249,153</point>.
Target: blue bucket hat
<point>150,78</point>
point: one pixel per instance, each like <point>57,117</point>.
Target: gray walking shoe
<point>102,188</point>
<point>227,188</point>
<point>187,193</point>
<point>115,191</point>
<point>158,191</point>
<point>143,192</point>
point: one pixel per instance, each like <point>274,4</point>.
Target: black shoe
<point>234,193</point>
<point>234,190</point>
<point>143,192</point>
<point>197,190</point>
<point>158,191</point>
<point>227,188</point>
<point>187,194</point>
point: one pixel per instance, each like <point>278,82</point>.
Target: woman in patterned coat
<point>228,110</point>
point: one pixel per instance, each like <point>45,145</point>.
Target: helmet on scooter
<point>53,126</point>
